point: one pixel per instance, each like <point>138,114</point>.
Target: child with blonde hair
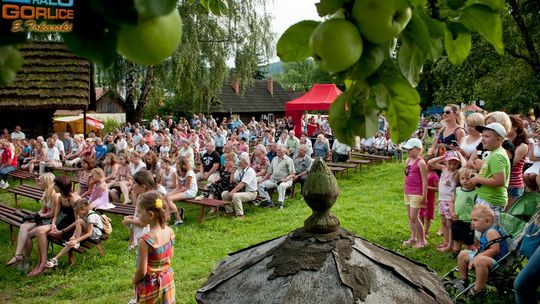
<point>415,191</point>
<point>154,276</point>
<point>492,248</point>
<point>461,209</point>
<point>449,163</point>
<point>98,193</point>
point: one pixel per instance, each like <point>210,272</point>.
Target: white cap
<point>412,143</point>
<point>495,127</point>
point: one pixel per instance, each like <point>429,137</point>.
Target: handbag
<point>531,240</point>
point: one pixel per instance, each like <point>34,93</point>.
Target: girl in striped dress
<point>154,276</point>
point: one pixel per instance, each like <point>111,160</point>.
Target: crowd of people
<point>477,166</point>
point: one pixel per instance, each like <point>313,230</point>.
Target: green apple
<point>151,41</point>
<point>381,20</point>
<point>336,45</point>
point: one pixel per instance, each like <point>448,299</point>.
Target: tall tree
<point>191,79</point>
<point>301,76</point>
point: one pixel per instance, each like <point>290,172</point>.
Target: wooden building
<point>265,98</point>
<point>51,78</point>
<point>109,102</point>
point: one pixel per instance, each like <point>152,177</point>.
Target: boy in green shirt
<point>492,180</point>
<point>460,209</point>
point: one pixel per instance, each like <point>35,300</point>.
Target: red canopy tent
<point>318,98</point>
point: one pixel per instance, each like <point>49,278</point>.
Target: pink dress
<point>100,200</point>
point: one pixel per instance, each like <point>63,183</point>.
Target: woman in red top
<point>9,163</point>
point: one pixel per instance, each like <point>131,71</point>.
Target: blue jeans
<point>5,171</point>
<point>528,280</point>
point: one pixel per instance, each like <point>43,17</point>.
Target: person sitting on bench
<point>280,175</point>
<point>88,225</point>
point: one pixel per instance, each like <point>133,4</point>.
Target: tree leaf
<point>411,59</point>
<point>457,48</point>
<point>436,48</point>
<point>418,3</point>
<point>339,119</point>
<point>293,45</point>
<point>403,110</point>
<point>218,7</point>
<point>328,7</point>
<point>97,47</point>
<point>494,4</point>
<point>435,27</point>
<point>381,95</point>
<point>486,21</point>
<point>418,32</point>
<point>151,9</point>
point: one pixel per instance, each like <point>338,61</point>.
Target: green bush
<point>110,125</point>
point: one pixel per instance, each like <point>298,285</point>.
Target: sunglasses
<point>447,112</point>
<point>407,170</point>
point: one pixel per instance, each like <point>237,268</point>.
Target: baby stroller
<point>512,224</point>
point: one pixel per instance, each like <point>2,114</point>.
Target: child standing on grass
<point>154,276</point>
<point>415,191</point>
<point>427,213</point>
<point>448,164</point>
<point>461,209</point>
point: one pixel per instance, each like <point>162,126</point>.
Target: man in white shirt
<point>245,191</point>
<point>59,145</point>
<point>121,144</point>
<point>280,175</point>
<point>340,151</point>
<point>17,134</point>
<point>142,147</point>
<point>154,124</point>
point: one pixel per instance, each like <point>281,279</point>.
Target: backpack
<point>105,221</point>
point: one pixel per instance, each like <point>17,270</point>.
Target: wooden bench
<point>378,158</point>
<point>22,175</point>
<point>121,209</point>
<point>203,203</point>
<point>337,170</point>
<point>344,165</point>
<point>14,218</point>
<point>26,191</point>
<point>360,162</point>
<point>66,170</point>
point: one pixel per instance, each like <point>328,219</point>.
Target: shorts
<point>472,254</point>
<point>444,209</point>
<point>462,232</point>
<point>515,192</point>
<point>413,200</point>
<point>496,209</point>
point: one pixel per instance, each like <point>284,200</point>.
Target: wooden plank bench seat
<point>121,209</point>
<point>22,175</point>
<point>66,170</point>
<point>360,162</point>
<point>203,203</point>
<point>14,218</point>
<point>337,170</point>
<point>344,165</point>
<point>26,191</point>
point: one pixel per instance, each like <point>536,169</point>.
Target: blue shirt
<point>271,156</point>
<point>100,151</point>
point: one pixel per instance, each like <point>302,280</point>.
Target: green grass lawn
<point>370,204</point>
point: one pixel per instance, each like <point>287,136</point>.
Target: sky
<point>288,12</point>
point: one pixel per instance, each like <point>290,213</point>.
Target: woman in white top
<point>168,175</point>
<point>186,188</point>
<point>52,157</point>
<point>469,142</point>
<point>187,152</point>
<point>531,176</point>
<point>165,147</point>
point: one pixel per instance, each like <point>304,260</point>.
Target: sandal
<point>442,246</point>
<point>39,269</point>
<point>409,242</point>
<point>16,259</point>
<point>420,245</point>
<point>444,249</point>
<point>51,263</point>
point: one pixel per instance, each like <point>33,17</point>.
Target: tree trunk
<point>534,59</point>
<point>130,94</point>
<point>146,86</point>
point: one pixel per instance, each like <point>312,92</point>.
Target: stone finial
<point>320,192</point>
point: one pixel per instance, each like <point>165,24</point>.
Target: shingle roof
<point>51,77</point>
<point>257,98</point>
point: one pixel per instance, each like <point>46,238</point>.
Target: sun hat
<point>495,127</point>
<point>412,143</point>
<point>451,155</point>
